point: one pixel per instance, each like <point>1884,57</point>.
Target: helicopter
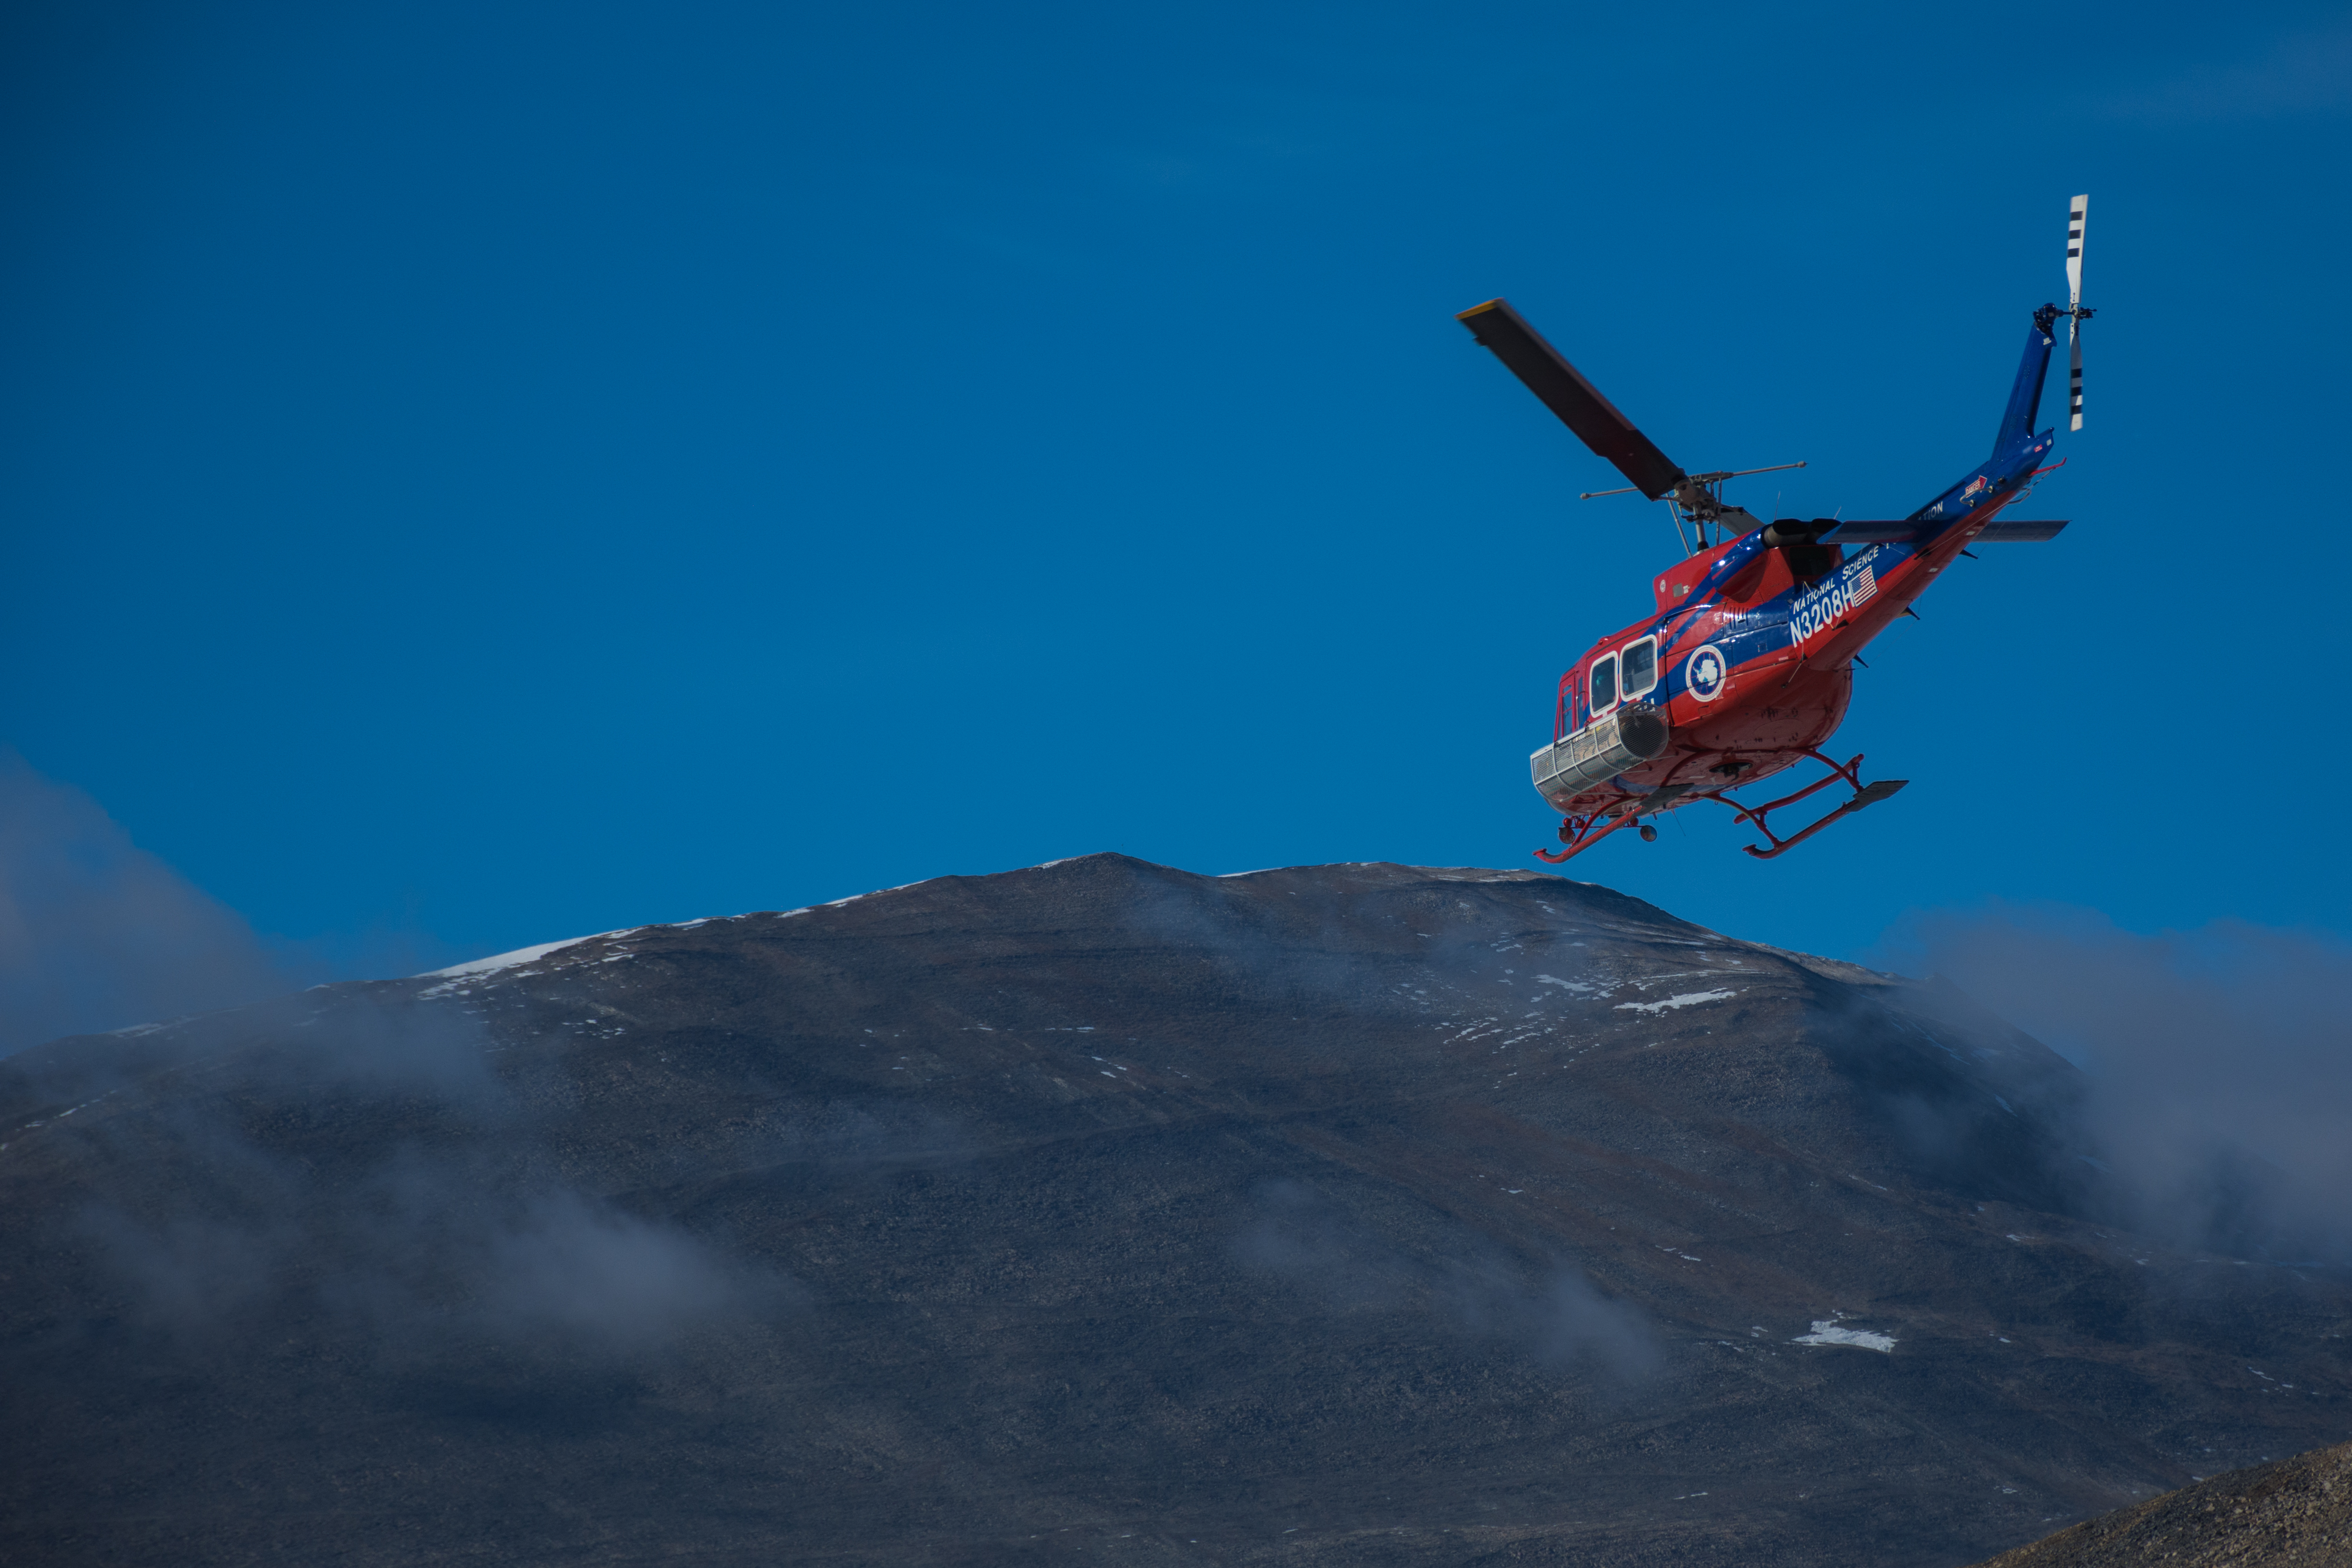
<point>1744,667</point>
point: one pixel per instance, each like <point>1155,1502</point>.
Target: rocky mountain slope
<point>1367,1213</point>
<point>2293,1513</point>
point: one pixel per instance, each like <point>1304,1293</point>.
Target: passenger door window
<point>1641,666</point>
<point>1604,684</point>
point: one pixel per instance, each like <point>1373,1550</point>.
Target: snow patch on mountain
<point>1827,1332</point>
<point>1687,999</point>
<point>520,956</point>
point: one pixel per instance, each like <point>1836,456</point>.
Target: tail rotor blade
<point>2077,212</point>
<point>1577,401</point>
<point>2075,375</point>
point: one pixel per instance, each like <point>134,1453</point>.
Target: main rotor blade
<point>1577,401</point>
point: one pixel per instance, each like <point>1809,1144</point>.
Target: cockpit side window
<point>1641,660</point>
<point>1604,684</point>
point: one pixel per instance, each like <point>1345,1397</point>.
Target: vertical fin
<point>2025,392</point>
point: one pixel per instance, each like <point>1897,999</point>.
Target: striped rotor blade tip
<point>2075,377</point>
<point>2077,211</point>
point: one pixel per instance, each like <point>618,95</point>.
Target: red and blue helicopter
<point>1744,666</point>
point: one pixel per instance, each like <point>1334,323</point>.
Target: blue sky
<point>481,474</point>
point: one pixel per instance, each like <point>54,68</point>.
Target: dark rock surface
<point>2293,1513</point>
<point>1366,1214</point>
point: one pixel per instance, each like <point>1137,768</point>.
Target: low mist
<point>2220,1063</point>
<point>1551,1314</point>
<point>97,934</point>
<point>360,1169</point>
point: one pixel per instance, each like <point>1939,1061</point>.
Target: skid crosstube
<point>1863,795</point>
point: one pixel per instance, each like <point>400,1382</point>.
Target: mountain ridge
<point>1400,1212</point>
<point>2293,1513</point>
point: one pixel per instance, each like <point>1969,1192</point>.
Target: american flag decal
<point>1863,586</point>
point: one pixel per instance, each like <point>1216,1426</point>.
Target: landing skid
<point>1580,833</point>
<point>1863,795</point>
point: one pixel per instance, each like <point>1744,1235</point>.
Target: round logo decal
<point>1706,674</point>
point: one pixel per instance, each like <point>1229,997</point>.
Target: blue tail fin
<point>2025,396</point>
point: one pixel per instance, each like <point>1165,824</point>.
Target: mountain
<point>1363,1213</point>
<point>2294,1513</point>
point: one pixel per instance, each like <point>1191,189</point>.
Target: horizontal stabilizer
<point>1861,533</point>
<point>2000,531</point>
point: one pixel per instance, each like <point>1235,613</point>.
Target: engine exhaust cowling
<point>1625,738</point>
